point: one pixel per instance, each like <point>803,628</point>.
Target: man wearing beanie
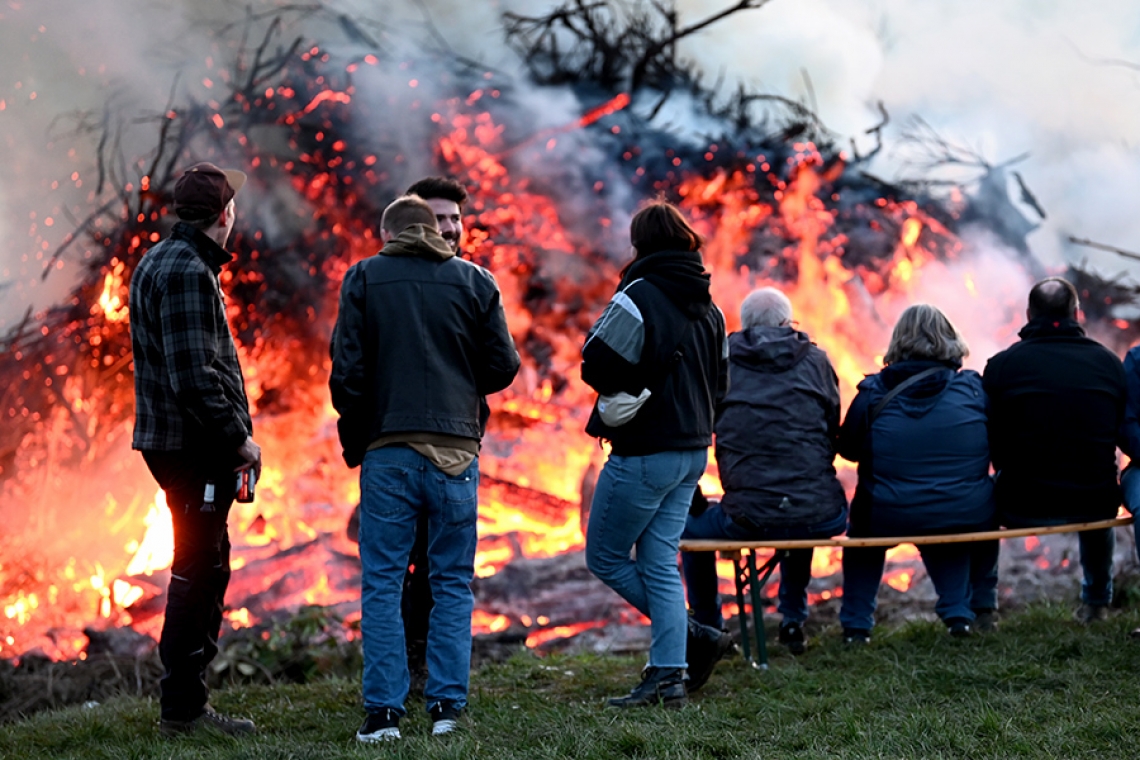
<point>193,428</point>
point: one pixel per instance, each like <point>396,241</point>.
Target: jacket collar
<point>213,254</point>
<point>1051,327</point>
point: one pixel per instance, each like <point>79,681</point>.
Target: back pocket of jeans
<point>460,500</point>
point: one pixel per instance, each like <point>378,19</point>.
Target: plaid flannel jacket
<point>189,392</point>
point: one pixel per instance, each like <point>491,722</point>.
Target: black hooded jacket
<point>660,331</point>
<point>1057,401</point>
<point>776,431</point>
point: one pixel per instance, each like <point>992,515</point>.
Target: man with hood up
<point>775,447</point>
<point>421,338</point>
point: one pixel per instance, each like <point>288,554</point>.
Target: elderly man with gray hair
<point>775,447</point>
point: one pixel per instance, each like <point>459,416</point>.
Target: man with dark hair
<point>193,428</point>
<point>447,197</point>
<point>421,338</point>
<point>1057,401</point>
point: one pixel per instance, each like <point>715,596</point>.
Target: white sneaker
<point>382,726</point>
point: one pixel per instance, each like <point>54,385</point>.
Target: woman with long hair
<point>918,430</point>
<point>657,357</point>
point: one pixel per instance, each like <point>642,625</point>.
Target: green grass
<point>1040,687</point>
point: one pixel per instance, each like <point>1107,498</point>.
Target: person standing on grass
<point>446,197</point>
<point>1057,401</point>
<point>193,428</point>
<point>660,343</point>
<point>775,450</point>
<point>421,338</point>
<point>918,431</point>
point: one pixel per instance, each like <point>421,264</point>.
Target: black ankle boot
<point>659,686</point>
<point>704,648</point>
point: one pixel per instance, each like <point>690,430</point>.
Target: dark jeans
<point>1096,547</point>
<point>416,602</point>
<point>949,568</point>
<point>198,576</point>
<point>795,568</point>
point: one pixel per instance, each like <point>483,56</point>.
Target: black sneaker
<point>208,719</point>
<point>959,628</point>
<point>792,636</point>
<point>380,726</point>
<point>444,718</point>
<point>856,636</point>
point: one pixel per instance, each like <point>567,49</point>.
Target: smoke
<point>1005,78</point>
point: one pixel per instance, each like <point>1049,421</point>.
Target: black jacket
<point>420,339</point>
<point>660,331</point>
<point>1057,400</point>
<point>776,431</point>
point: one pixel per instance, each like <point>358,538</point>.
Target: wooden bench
<point>748,576</point>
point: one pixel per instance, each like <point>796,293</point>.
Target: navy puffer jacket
<point>924,461</point>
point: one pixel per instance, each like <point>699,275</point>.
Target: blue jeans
<point>1097,548</point>
<point>795,567</point>
<point>948,566</point>
<point>397,484</point>
<point>642,502</point>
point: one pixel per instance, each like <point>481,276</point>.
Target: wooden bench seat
<point>750,577</point>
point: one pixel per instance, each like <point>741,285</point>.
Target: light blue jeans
<point>642,502</point>
<point>396,485</point>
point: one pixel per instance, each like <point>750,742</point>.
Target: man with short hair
<point>447,197</point>
<point>193,428</point>
<point>776,432</point>
<point>1057,401</point>
<point>421,338</point>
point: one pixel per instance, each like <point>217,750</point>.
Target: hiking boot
<point>985,621</point>
<point>659,686</point>
<point>856,636</point>
<point>792,637</point>
<point>1091,613</point>
<point>444,717</point>
<point>959,628</point>
<point>380,726</point>
<point>208,719</point>
<point>704,648</point>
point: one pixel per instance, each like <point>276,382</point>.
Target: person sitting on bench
<point>918,431</point>
<point>775,448</point>
<point>1057,401</point>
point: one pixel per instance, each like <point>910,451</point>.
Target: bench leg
<point>740,575</point>
<point>756,586</point>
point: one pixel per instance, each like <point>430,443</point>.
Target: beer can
<point>247,479</point>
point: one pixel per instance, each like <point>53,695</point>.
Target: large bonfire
<point>329,133</point>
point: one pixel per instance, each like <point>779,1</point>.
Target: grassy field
<point>1042,686</point>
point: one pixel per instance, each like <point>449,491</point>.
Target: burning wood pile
<point>556,159</point>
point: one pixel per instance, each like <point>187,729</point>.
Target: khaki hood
<point>419,240</point>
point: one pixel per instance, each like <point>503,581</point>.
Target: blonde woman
<point>918,430</point>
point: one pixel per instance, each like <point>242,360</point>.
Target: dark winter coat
<point>660,331</point>
<point>420,339</point>
<point>1057,401</point>
<point>776,431</point>
<point>924,461</point>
